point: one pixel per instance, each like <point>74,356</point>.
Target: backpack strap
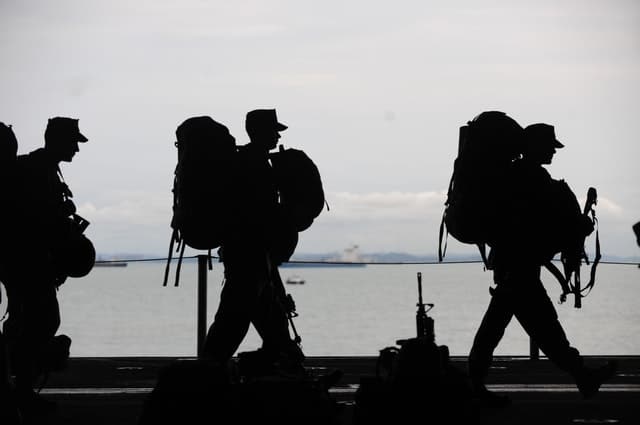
<point>181,247</point>
<point>596,261</point>
<point>482,247</point>
<point>442,250</point>
<point>561,278</point>
<point>174,237</point>
<point>577,288</point>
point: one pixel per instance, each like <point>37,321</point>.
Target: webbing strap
<point>442,250</point>
<point>482,247</point>
<point>174,236</point>
<point>577,290</point>
<point>444,232</point>
<point>562,279</point>
<point>181,246</point>
<point>596,261</point>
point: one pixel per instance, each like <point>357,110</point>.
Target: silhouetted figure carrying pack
<point>262,234</point>
<point>536,217</point>
<point>251,203</point>
<point>48,246</point>
<point>8,152</point>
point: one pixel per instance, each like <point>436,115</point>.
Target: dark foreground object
<point>199,392</point>
<point>114,391</point>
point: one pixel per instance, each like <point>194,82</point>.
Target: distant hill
<point>373,257</point>
<point>387,257</point>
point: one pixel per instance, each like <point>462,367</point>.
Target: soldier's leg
<point>537,315</point>
<point>34,319</point>
<point>540,319</point>
<point>271,320</point>
<point>41,320</point>
<point>239,300</point>
<point>488,336</point>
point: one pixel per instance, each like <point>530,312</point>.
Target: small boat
<point>295,280</point>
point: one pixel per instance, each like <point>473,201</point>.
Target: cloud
<point>132,209</point>
<point>137,221</point>
<point>339,73</point>
<point>385,205</point>
<point>609,207</point>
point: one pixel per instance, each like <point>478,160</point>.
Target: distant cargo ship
<point>350,258</point>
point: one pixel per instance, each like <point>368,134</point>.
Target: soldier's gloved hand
<point>586,225</point>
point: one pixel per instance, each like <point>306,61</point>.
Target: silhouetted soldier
<point>8,152</point>
<point>253,293</point>
<point>517,258</point>
<point>636,230</point>
<point>35,273</point>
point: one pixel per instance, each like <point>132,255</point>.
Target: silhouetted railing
<point>203,267</point>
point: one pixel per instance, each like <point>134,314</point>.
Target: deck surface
<point>109,391</point>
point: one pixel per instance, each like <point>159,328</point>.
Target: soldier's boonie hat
<point>263,119</point>
<point>536,134</point>
<point>65,127</point>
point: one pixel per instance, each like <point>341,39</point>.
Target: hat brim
<point>557,144</point>
<point>281,127</point>
<point>81,138</point>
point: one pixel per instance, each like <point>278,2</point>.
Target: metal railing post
<point>203,261</point>
<point>534,353</point>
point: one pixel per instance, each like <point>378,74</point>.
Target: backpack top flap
<point>487,146</point>
<point>205,159</point>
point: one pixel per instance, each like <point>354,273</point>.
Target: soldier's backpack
<point>487,146</point>
<point>200,188</point>
<point>299,186</point>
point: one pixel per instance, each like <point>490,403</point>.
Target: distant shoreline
<point>309,260</point>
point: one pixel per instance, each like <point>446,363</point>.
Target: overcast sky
<point>373,91</point>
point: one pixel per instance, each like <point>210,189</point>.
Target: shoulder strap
<point>596,261</point>
<point>482,247</point>
<point>562,279</point>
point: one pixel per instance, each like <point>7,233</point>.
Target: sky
<point>373,91</point>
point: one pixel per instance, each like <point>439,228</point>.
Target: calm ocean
<point>125,311</point>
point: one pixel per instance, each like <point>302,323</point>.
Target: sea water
<point>343,311</point>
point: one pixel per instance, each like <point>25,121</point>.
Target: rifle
<point>572,264</point>
<point>287,301</point>
<point>424,323</point>
<point>419,356</point>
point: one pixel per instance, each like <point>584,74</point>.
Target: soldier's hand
<point>587,225</point>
